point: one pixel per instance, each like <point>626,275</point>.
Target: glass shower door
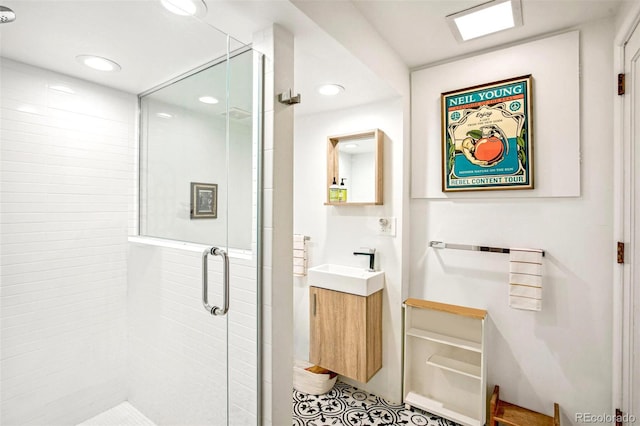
<point>199,184</point>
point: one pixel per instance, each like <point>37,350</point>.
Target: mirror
<point>355,161</point>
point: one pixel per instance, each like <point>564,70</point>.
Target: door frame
<point>623,224</point>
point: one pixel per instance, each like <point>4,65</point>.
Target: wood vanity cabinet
<point>346,332</point>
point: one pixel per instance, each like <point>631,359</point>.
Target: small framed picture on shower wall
<point>204,200</point>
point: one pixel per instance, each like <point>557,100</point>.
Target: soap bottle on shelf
<point>343,191</point>
<point>334,192</point>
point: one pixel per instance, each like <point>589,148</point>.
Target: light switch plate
<point>387,226</point>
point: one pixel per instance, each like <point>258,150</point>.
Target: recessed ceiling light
<point>351,145</point>
<point>98,63</point>
<point>330,89</point>
<point>164,115</point>
<point>63,89</point>
<point>485,19</point>
<point>196,8</point>
<point>208,100</point>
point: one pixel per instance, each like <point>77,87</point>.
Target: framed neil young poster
<point>486,137</point>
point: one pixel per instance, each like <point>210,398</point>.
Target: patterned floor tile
<point>345,405</point>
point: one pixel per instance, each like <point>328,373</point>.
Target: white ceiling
<point>418,32</point>
<point>153,46</point>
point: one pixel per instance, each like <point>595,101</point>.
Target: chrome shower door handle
<point>214,310</point>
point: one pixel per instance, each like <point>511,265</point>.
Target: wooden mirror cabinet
<point>355,160</point>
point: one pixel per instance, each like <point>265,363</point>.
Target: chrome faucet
<point>371,252</point>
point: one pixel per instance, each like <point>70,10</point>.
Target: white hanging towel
<point>525,279</point>
<point>299,255</point>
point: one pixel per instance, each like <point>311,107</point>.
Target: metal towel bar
<point>443,245</point>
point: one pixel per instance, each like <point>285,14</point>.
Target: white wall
<point>336,231</point>
<point>555,103</point>
<point>67,185</point>
<point>563,353</point>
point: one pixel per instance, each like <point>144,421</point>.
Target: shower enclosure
<point>199,180</point>
<point>130,203</point>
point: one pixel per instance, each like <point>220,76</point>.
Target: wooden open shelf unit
<point>444,360</point>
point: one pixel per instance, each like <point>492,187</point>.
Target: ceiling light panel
<point>485,19</point>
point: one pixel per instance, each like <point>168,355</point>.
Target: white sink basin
<point>346,279</point>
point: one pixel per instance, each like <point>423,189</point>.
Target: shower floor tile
<point>123,414</point>
<point>345,405</point>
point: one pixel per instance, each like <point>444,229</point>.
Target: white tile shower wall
<point>67,162</point>
<point>277,358</point>
<point>178,358</point>
<point>243,334</point>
